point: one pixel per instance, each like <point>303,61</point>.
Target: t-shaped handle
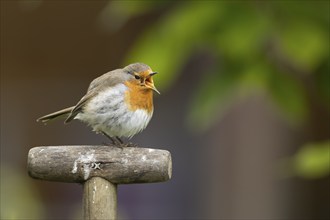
<point>115,164</point>
<point>100,169</point>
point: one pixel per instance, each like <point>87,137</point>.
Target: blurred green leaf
<point>237,33</point>
<point>167,45</point>
<point>289,95</point>
<point>313,160</point>
<point>255,77</point>
<point>242,36</point>
<point>304,42</point>
<point>214,96</point>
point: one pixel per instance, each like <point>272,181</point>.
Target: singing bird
<point>117,104</point>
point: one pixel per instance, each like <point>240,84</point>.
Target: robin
<point>117,104</point>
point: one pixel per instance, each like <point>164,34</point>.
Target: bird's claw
<point>130,144</point>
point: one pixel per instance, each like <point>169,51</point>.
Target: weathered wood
<point>99,199</point>
<point>117,165</point>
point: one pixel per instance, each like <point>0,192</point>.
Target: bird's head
<point>141,75</point>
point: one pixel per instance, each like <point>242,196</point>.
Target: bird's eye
<point>137,77</point>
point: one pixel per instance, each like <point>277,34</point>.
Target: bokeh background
<point>244,108</point>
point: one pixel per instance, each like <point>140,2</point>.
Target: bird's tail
<point>51,116</point>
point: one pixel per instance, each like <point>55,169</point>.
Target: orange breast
<point>138,97</point>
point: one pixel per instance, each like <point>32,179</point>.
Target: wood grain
<point>99,199</point>
<point>117,165</point>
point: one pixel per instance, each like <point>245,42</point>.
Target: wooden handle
<point>100,199</point>
<point>117,165</point>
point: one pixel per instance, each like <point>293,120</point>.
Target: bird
<point>117,104</point>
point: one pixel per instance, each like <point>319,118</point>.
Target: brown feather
<point>63,112</point>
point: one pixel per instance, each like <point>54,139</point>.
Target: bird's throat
<point>138,97</point>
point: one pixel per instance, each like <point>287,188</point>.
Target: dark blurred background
<point>244,108</point>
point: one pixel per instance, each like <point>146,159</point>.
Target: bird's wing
<point>78,108</point>
<point>106,80</point>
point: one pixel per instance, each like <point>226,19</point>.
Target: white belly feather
<point>107,112</point>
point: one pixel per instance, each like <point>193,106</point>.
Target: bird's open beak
<point>155,89</point>
<point>152,86</point>
<point>150,82</point>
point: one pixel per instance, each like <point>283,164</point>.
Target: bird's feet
<point>112,144</point>
<point>121,145</point>
<point>130,144</point>
<point>117,142</point>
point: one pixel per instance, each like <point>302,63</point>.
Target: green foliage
<point>305,42</point>
<point>289,95</point>
<point>214,98</point>
<point>313,160</point>
<point>237,33</point>
<point>168,44</point>
<point>242,32</point>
